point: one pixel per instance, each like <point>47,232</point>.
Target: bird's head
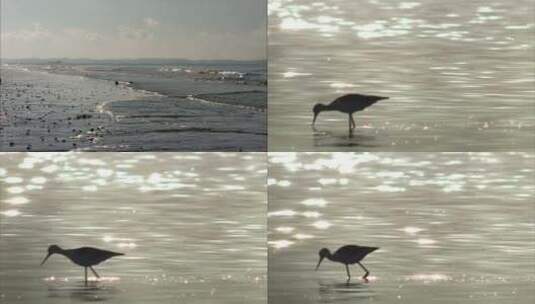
<point>51,250</point>
<point>323,253</point>
<point>317,109</point>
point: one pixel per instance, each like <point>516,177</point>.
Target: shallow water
<point>192,226</point>
<point>460,75</point>
<point>246,81</point>
<point>452,228</point>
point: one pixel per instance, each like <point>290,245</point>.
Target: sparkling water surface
<point>192,227</point>
<point>452,228</point>
<point>460,74</point>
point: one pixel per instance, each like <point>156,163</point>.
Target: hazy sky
<point>192,29</point>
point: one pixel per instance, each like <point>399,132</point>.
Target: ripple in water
<point>433,60</point>
<point>443,238</point>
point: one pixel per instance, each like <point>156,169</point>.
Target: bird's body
<point>88,256</point>
<point>348,104</point>
<point>351,254</point>
<point>83,256</point>
<point>352,103</point>
<point>347,255</point>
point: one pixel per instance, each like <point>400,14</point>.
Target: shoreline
<point>103,116</point>
<point>154,93</point>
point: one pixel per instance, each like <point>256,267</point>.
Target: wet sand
<point>49,112</point>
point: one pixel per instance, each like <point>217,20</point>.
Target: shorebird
<point>84,256</point>
<point>348,254</point>
<point>348,104</point>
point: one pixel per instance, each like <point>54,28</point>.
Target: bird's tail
<point>371,249</point>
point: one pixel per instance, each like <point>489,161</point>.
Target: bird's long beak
<point>46,258</point>
<point>319,262</point>
<point>314,119</point>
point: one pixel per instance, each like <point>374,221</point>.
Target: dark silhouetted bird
<point>348,254</point>
<point>84,256</point>
<point>348,104</point>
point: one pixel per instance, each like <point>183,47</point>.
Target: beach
<point>130,107</point>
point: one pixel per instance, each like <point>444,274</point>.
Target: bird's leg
<point>353,121</point>
<point>94,272</point>
<point>348,274</point>
<point>350,125</point>
<point>367,272</point>
<point>85,270</point>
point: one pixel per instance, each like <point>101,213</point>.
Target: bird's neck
<point>327,107</point>
<point>329,256</point>
<point>65,252</point>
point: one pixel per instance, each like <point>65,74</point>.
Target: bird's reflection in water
<point>330,292</point>
<point>94,291</point>
<point>331,139</point>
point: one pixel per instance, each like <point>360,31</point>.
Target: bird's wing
<point>347,249</point>
<point>345,98</point>
<point>352,97</point>
<point>84,251</point>
<point>356,99</point>
<point>95,255</point>
<point>353,253</point>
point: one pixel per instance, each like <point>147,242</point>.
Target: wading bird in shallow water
<point>348,104</point>
<point>84,256</point>
<point>348,254</point>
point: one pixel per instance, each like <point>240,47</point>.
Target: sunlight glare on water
<point>451,228</point>
<point>192,227</point>
<point>460,75</point>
